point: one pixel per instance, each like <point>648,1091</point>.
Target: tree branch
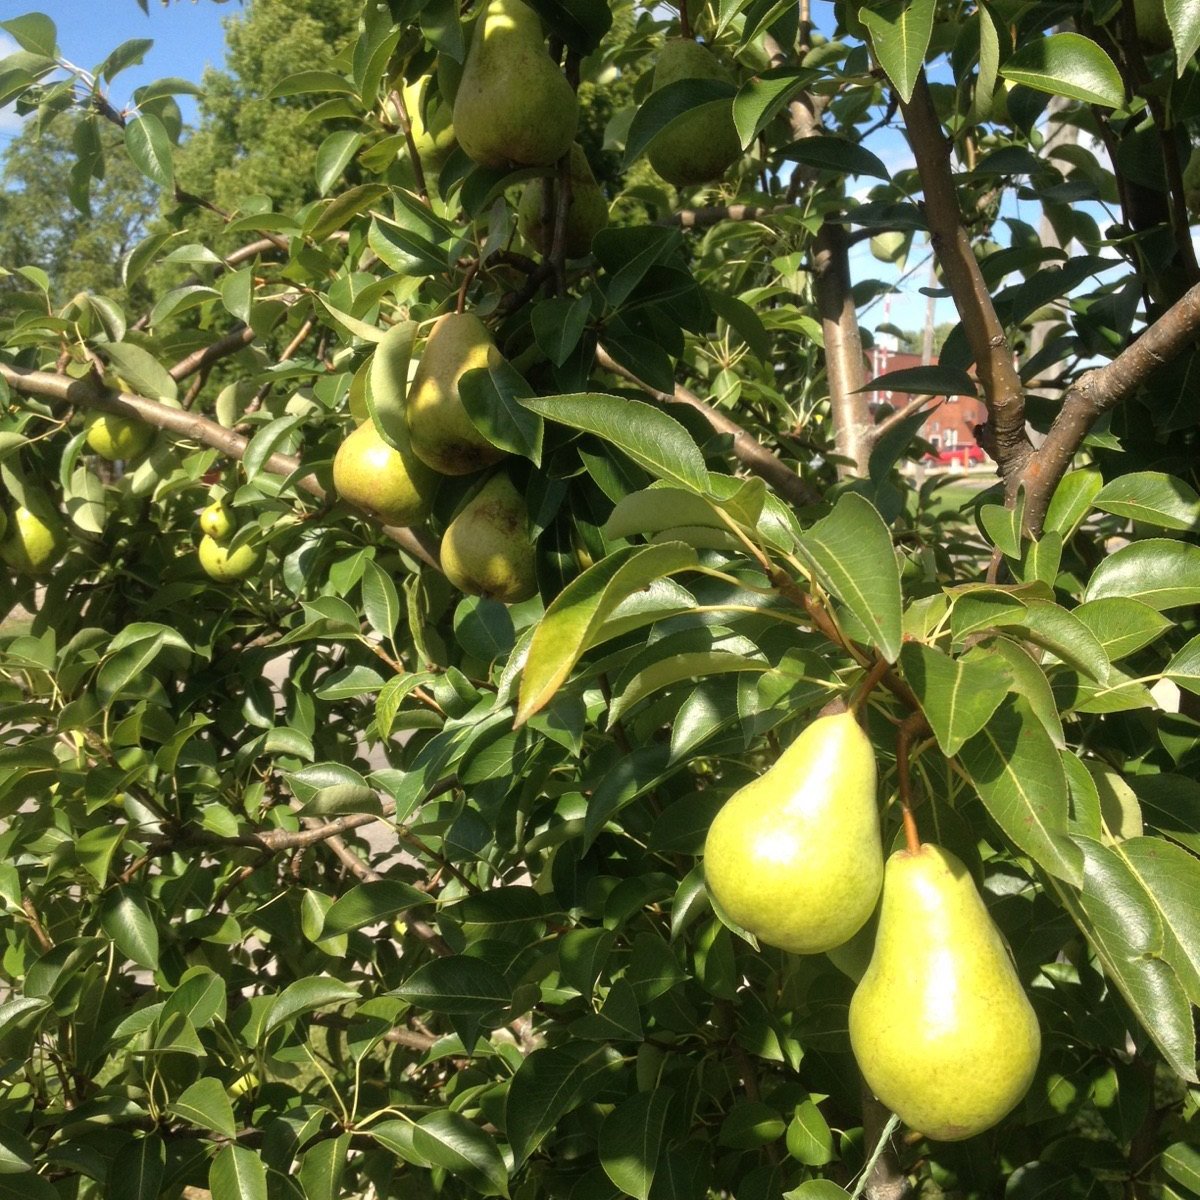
<point>202,359</point>
<point>750,452</point>
<point>1002,389</point>
<point>88,393</point>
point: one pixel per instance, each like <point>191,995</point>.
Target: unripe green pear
<point>703,144</point>
<point>940,1025</point>
<point>890,246</point>
<point>587,212</point>
<point>513,104</point>
<point>224,563</point>
<point>487,550</point>
<point>795,857</point>
<point>443,436</point>
<point>217,521</point>
<point>33,541</point>
<point>389,483</point>
<point>117,438</point>
<point>431,125</point>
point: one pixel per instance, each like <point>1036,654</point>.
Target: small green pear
<point>389,483</point>
<point>795,857</point>
<point>487,550</point>
<point>587,211</point>
<point>216,520</point>
<point>34,540</point>
<point>513,104</point>
<point>702,145</point>
<point>889,246</point>
<point>117,438</point>
<point>941,1028</point>
<point>443,436</point>
<point>224,563</point>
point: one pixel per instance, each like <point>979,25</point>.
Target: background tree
<point>324,879</point>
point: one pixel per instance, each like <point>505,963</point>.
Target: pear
<point>217,521</point>
<point>487,550</point>
<point>587,211</point>
<point>224,563</point>
<point>795,857</point>
<point>34,540</point>
<point>940,1025</point>
<point>513,104</point>
<point>431,125</point>
<point>389,483</point>
<point>703,144</point>
<point>443,436</point>
<point>117,438</point>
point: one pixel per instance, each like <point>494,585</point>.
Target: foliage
<point>333,882</point>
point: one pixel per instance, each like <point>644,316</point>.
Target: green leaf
<point>651,438</point>
<point>1152,498</point>
<point>457,984</point>
<point>1182,1163</point>
<point>816,1189</point>
<point>306,83</point>
<point>580,609</point>
<point>558,324</point>
<point>1184,667</point>
<point>1121,626</point>
<point>900,34</point>
<point>957,696</point>
<point>334,156</point>
<point>851,553</point>
<point>149,146</point>
<point>1065,636</point>
<point>322,1168</point>
<point>307,995</point>
<point>1067,64</point>
<point>809,1139</point>
<point>137,1170</point>
<point>1160,572</point>
<point>141,370</point>
<point>381,603</point>
<point>449,1140</point>
<point>494,398</point>
<point>34,32</point>
<point>1020,779</point>
<point>762,98</point>
<point>549,1084</point>
<point>1072,500</point>
<point>125,917</point>
<point>368,904</point>
<point>750,1124</point>
<point>237,1174</point>
<point>678,100</point>
<point>631,1140</point>
<point>206,1104</point>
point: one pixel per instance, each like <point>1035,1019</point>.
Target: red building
<point>950,426</point>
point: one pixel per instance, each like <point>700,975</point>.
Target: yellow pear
<point>224,563</point>
<point>431,125</point>
<point>795,857</point>
<point>217,521</point>
<point>487,550</point>
<point>442,434</point>
<point>117,438</point>
<point>391,484</point>
<point>34,541</point>
<point>703,144</point>
<point>587,210</point>
<point>941,1028</point>
<point>513,104</point>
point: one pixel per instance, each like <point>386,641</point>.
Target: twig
<point>397,98</point>
<point>223,347</point>
<point>893,419</point>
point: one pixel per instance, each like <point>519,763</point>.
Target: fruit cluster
<point>939,1023</point>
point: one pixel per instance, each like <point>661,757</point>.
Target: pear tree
<point>502,697</point>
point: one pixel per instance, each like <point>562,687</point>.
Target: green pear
<point>703,144</point>
<point>940,1025</point>
<point>513,103</point>
<point>890,246</point>
<point>443,436</point>
<point>391,484</point>
<point>117,438</point>
<point>217,521</point>
<point>431,124</point>
<point>587,211</point>
<point>795,857</point>
<point>34,541</point>
<point>224,563</point>
<point>487,550</point>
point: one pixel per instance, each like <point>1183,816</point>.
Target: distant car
<point>958,456</point>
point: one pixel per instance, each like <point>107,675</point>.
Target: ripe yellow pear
<point>117,438</point>
<point>703,144</point>
<point>34,541</point>
<point>443,436</point>
<point>940,1025</point>
<point>391,484</point>
<point>513,104</point>
<point>587,211</point>
<point>217,521</point>
<point>487,550</point>
<point>224,563</point>
<point>795,857</point>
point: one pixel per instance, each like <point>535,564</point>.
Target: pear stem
<point>869,682</point>
<point>912,726</point>
<point>460,304</point>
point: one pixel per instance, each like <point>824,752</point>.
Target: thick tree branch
<point>202,359</point>
<point>87,393</point>
<point>750,452</point>
<point>1002,390</point>
<point>1100,390</point>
